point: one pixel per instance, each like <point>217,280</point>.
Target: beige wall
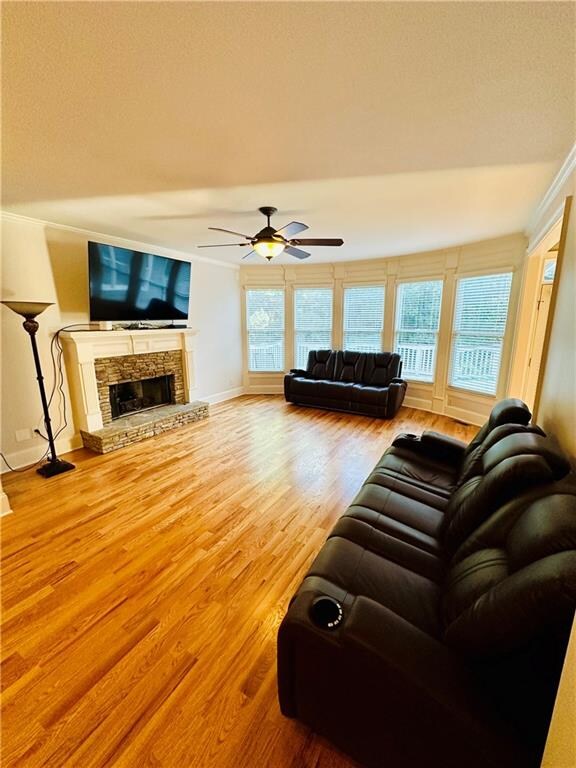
<point>61,272</point>
<point>488,257</point>
<point>556,407</point>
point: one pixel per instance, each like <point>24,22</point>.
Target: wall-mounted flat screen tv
<point>128,285</point>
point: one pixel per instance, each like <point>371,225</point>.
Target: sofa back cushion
<point>473,460</point>
<point>521,581</point>
<point>350,366</point>
<point>513,464</point>
<point>321,364</point>
<point>508,411</point>
<point>380,368</point>
<point>481,496</point>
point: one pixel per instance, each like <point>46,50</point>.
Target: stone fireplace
<point>126,369</point>
<point>129,385</point>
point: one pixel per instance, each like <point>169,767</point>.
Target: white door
<point>537,343</point>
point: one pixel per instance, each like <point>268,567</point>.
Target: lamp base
<point>56,467</point>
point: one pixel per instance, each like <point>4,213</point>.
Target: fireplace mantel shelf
<point>93,344</point>
<point>82,348</point>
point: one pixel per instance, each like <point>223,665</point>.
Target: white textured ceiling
<point>397,126</point>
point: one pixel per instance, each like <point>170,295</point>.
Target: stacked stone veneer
<point>115,370</point>
<point>139,426</point>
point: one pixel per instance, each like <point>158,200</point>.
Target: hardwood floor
<point>143,591</point>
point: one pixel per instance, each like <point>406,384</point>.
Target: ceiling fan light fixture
<point>268,248</point>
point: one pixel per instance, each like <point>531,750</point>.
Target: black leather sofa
<point>432,626</point>
<point>360,382</point>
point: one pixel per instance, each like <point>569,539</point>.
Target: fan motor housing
<point>268,233</point>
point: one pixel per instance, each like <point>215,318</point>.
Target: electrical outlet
<point>22,435</point>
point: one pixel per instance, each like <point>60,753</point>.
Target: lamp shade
<point>26,268</point>
<point>268,248</point>
<point>28,309</point>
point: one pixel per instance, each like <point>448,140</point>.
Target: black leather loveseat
<point>360,382</point>
<point>431,628</point>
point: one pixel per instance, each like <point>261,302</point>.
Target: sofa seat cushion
<point>335,390</point>
<point>386,501</point>
<point>390,547</point>
<point>361,572</point>
<point>303,386</point>
<point>410,488</point>
<point>394,527</point>
<point>361,393</point>
<point>394,514</point>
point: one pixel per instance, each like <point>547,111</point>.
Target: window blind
<point>363,318</point>
<point>416,330</point>
<point>312,322</point>
<point>480,315</point>
<point>265,326</point>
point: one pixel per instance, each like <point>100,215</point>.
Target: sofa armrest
<point>396,393</point>
<point>375,674</point>
<point>449,447</point>
<point>299,372</point>
<point>433,445</point>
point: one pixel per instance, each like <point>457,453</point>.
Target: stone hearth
<point>139,426</point>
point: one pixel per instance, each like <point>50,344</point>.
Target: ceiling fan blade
<point>318,241</point>
<point>296,252</point>
<point>221,245</point>
<point>292,229</point>
<point>230,232</point>
<point>248,254</point>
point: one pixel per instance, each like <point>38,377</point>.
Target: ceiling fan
<point>270,242</point>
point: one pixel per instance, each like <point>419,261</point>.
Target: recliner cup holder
<point>326,612</point>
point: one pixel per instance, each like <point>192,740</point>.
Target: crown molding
<point>93,234</point>
<point>549,209</point>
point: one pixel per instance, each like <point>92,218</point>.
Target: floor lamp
<point>29,311</point>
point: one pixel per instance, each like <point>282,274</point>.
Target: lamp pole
<point>29,311</point>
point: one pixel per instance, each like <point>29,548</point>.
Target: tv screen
<point>130,285</point>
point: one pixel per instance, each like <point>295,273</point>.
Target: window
<point>549,271</point>
<point>265,325</point>
<point>312,322</point>
<point>417,321</point>
<point>479,324</point>
<point>363,318</point>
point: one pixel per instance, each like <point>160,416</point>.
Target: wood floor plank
<point>142,592</point>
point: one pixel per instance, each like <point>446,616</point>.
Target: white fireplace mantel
<point>82,348</point>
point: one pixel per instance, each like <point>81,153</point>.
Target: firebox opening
<point>131,396</point>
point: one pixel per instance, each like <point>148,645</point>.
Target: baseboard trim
<point>20,459</point>
<point>220,397</point>
<point>419,403</point>
<point>5,508</point>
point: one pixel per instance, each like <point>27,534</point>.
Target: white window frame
<point>311,287</point>
<point>507,270</point>
<point>261,288</point>
<point>397,330</point>
<point>356,286</point>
